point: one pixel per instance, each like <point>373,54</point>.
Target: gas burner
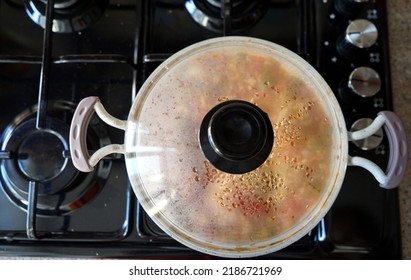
<point>213,14</point>
<point>42,156</point>
<point>69,15</point>
<point>39,155</point>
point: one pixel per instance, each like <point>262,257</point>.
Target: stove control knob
<point>360,35</point>
<point>349,7</point>
<point>364,81</point>
<point>368,143</point>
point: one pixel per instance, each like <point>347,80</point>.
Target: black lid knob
<point>236,136</point>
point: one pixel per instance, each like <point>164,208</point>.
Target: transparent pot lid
<point>199,123</point>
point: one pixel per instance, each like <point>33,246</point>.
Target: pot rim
<point>277,242</point>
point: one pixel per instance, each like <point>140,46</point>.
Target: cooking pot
<point>237,147</point>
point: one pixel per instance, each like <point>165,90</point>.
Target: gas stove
<point>55,53</point>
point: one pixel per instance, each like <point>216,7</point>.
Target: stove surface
<point>108,49</point>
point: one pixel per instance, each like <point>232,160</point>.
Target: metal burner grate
<point>56,203</point>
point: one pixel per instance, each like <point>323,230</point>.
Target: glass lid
<point>234,147</point>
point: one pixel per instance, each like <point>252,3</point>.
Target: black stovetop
<point>108,50</point>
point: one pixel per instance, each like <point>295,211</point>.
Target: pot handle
<point>398,153</point>
<point>78,132</point>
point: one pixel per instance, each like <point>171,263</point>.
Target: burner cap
<point>61,4</point>
<point>69,15</point>
<point>243,13</point>
<point>40,155</point>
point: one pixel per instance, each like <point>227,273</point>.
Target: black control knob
<point>360,35</point>
<point>364,82</point>
<point>349,7</point>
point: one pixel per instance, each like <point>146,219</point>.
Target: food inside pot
<point>187,193</point>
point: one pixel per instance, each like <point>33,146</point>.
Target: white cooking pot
<point>237,147</point>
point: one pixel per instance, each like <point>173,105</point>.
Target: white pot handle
<point>398,153</point>
<point>78,132</point>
